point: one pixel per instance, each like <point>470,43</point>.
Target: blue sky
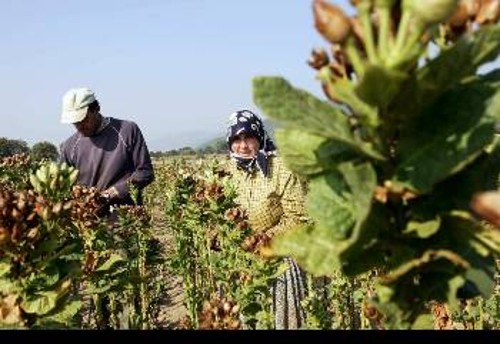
<point>176,67</point>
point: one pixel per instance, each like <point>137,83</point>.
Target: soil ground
<point>170,308</point>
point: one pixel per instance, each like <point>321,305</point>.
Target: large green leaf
<point>449,68</point>
<point>298,109</point>
<point>405,290</point>
<point>476,244</point>
<point>340,200</point>
<point>449,135</point>
<point>309,154</point>
<point>456,193</point>
<point>312,247</point>
<point>361,179</point>
<point>340,204</point>
<point>369,88</point>
<point>403,303</point>
<point>330,204</point>
<point>369,244</point>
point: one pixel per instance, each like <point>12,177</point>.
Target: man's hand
<point>110,193</point>
<point>108,196</point>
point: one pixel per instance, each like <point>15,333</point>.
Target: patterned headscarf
<point>245,121</point>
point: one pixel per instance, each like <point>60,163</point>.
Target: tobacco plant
<point>40,250</point>
<point>227,283</point>
<point>396,152</point>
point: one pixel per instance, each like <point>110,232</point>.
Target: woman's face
<point>245,145</point>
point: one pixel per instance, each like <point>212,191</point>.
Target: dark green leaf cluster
<point>392,173</point>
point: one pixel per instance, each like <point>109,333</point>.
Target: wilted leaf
<point>10,312</point>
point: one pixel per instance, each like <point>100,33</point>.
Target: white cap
<point>75,103</point>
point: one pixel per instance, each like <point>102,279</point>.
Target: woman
<point>274,200</point>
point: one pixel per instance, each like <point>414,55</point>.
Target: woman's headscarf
<point>245,121</point>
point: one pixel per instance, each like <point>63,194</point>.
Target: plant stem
<point>406,52</point>
<point>366,24</point>
<point>354,57</point>
<point>403,28</point>
<point>384,38</point>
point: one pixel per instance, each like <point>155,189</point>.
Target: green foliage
<point>40,259</point>
<point>393,163</point>
<point>44,151</point>
<point>117,266</point>
<point>54,180</point>
<point>9,147</point>
<point>209,251</point>
<point>15,171</point>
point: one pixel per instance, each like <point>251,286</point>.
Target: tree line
<point>49,151</point>
<point>218,146</point>
<point>40,150</point>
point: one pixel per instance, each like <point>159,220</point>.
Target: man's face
<point>89,125</point>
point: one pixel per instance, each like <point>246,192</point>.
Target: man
<point>109,153</point>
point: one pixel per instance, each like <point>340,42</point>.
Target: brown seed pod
<point>32,233</point>
<point>489,12</point>
<point>226,307</point>
<point>56,209</point>
<point>4,235</point>
<point>331,22</point>
<point>487,205</point>
<point>21,204</point>
<point>466,10</point>
<point>433,11</point>
<point>234,324</point>
<point>235,309</point>
<point>318,59</point>
<point>16,214</point>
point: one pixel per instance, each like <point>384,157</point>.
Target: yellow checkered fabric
<point>274,203</point>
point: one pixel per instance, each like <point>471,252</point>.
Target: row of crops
<point>63,266</point>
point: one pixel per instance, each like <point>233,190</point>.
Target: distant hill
<point>219,141</point>
<point>180,140</point>
<point>197,140</point>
